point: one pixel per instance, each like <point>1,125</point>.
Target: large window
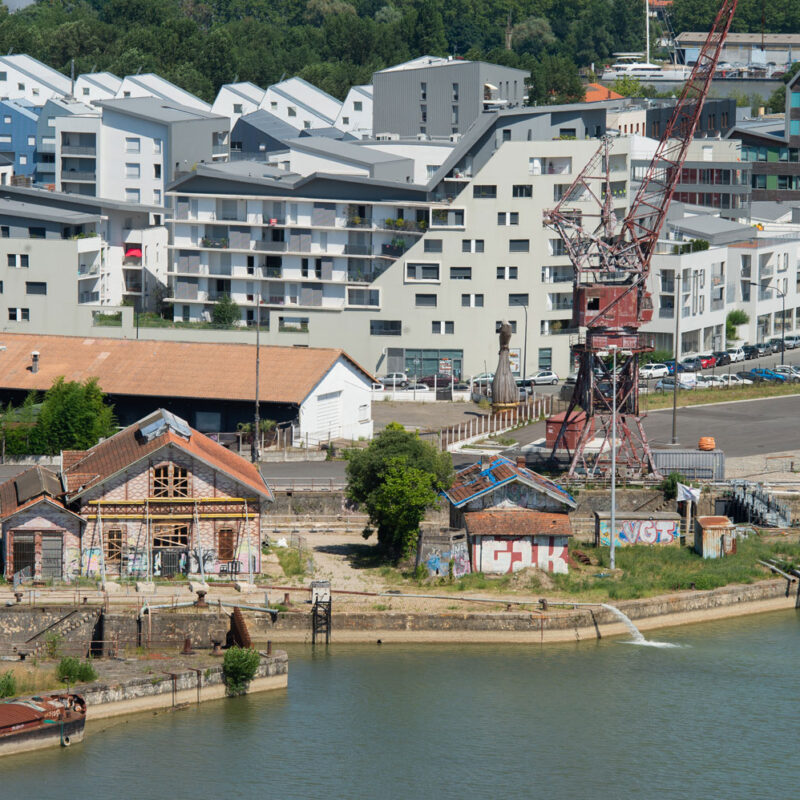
<point>385,327</point>
<point>484,191</point>
<point>522,190</point>
<point>170,480</point>
<point>425,301</point>
<point>460,273</point>
<point>433,245</point>
<point>545,358</point>
<point>519,246</point>
<point>112,540</point>
<point>518,299</point>
<point>421,271</point>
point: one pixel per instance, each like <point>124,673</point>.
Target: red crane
<point>612,263</point>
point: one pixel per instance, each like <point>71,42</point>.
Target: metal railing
<point>76,150</point>
<point>270,246</point>
<point>76,175</point>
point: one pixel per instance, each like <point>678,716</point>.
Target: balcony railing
<point>359,222</point>
<point>75,150</point>
<point>266,219</point>
<point>666,313</point>
<point>358,249</point>
<point>393,250</point>
<point>273,272</point>
<point>133,288</point>
<point>76,175</point>
<point>210,241</point>
<point>219,149</point>
<point>405,225</point>
<point>270,246</point>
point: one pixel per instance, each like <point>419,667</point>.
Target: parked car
<point>545,376</point>
<point>763,348</point>
<point>668,384</point>
<point>709,382</point>
<point>736,354</point>
<point>792,341</point>
<point>654,371</point>
<point>692,364</point>
<point>460,387</point>
<point>482,377</point>
<point>723,357</point>
<point>670,365</point>
<point>396,380</point>
<point>751,352</point>
<point>417,387</point>
<point>441,380</point>
<point>751,376</point>
<point>734,380</point>
<point>791,372</point>
<point>775,344</point>
<point>708,360</point>
<point>769,375</point>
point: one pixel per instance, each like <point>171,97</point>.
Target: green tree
<point>628,86</point>
<point>73,416</point>
<point>734,318</point>
<point>555,79</point>
<point>226,313</point>
<point>396,479</point>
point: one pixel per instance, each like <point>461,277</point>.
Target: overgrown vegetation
<point>670,485</point>
<point>238,668</point>
<point>8,684</point>
<point>71,670</point>
<point>292,560</point>
<point>698,397</point>
<point>225,313</point>
<point>396,479</point>
<point>734,318</point>
<point>71,416</point>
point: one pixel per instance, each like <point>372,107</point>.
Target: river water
<point>716,717</point>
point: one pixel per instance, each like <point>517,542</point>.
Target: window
<point>133,170</point>
<point>501,217</point>
<point>12,260</point>
<point>440,327</point>
<point>5,231</point>
<point>157,146</point>
<point>170,535</point>
<point>293,324</point>
<point>472,245</point>
<point>454,115</point>
<point>112,541</point>
<point>85,91</point>
<point>133,144</point>
<point>513,218</point>
<point>226,544</point>
<point>291,111</point>
<point>273,104</point>
<point>433,245</point>
<point>484,191</point>
<point>423,112</point>
<point>23,160</point>
<point>358,105</point>
<point>425,301</point>
<point>519,246</point>
<point>345,120</point>
<point>518,299</point>
<point>170,480</point>
<point>506,134</point>
<point>24,260</point>
<point>423,91</point>
<point>363,297</point>
<point>507,273</point>
<point>3,76</point>
<point>5,139</point>
<point>157,196</point>
<point>21,87</point>
<point>132,195</point>
<point>385,327</point>
<point>460,273</point>
<point>498,324</point>
<point>545,358</point>
<point>19,315</point>
<point>35,287</point>
<point>237,108</point>
<point>6,120</point>
<point>306,124</point>
<point>455,92</point>
<point>36,233</point>
<point>157,171</point>
<point>472,300</point>
<point>31,141</point>
<point>422,272</point>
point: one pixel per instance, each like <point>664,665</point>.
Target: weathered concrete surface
<point>146,693</point>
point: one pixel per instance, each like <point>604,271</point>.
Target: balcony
<point>210,241</point>
<point>46,147</point>
<point>666,313</point>
<point>359,222</point>
<point>270,246</point>
<point>219,149</point>
<point>266,219</point>
<point>273,272</point>
<point>393,250</point>
<point>74,150</point>
<point>358,249</point>
<point>275,300</point>
<point>76,175</point>
<point>133,288</point>
<point>405,225</point>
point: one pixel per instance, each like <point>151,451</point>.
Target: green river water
<point>716,717</point>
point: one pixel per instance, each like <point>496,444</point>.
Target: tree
<point>73,416</point>
<point>777,100</point>
<point>628,86</point>
<point>226,313</point>
<point>555,79</point>
<point>396,479</point>
<point>734,318</point>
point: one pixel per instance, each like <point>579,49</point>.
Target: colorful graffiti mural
<point>437,560</point>
<point>642,531</point>
<point>503,554</point>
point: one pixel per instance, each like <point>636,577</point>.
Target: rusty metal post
<point>269,647</point>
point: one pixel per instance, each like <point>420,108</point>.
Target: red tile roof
<point>43,478</point>
<point>596,92</point>
<point>517,522</point>
<point>141,367</point>
<point>125,448</point>
<point>477,479</point>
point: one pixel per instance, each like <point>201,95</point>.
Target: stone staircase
<point>71,635</point>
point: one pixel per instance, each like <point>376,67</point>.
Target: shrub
<point>70,670</point>
<point>8,684</point>
<point>238,668</point>
<point>670,485</point>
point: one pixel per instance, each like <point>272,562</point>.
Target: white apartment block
<point>96,86</point>
<point>355,115</point>
<point>24,78</point>
<point>301,104</point>
<point>59,253</point>
<point>234,100</point>
<point>131,149</point>
<point>152,85</point>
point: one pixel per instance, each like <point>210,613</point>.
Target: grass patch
<point>699,397</point>
<point>29,678</point>
<point>292,561</point>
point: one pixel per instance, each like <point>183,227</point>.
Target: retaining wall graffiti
<point>641,531</point>
<point>503,554</point>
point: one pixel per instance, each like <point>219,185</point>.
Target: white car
<point>736,354</point>
<point>544,376</point>
<point>654,371</point>
<point>397,380</point>
<point>709,382</point>
<point>482,377</point>
<point>791,372</point>
<point>734,380</point>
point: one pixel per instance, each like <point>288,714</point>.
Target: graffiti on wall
<point>72,561</point>
<point>209,557</point>
<point>90,561</point>
<point>437,559</point>
<point>642,531</point>
<point>503,554</point>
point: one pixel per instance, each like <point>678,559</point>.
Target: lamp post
<point>613,528</point>
<point>782,295</point>
<point>677,305</point>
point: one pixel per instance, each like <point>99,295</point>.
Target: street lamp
<point>677,306</point>
<point>254,448</point>
<point>613,529</point>
<point>782,295</point>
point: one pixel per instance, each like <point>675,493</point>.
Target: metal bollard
<point>269,647</point>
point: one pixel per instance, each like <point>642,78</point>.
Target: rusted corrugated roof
<point>714,522</point>
<point>140,367</point>
<point>28,488</point>
<point>16,713</point>
<point>517,522</point>
<point>477,479</point>
<point>128,446</point>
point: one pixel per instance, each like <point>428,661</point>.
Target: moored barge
<point>41,721</point>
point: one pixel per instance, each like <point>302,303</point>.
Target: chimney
<point>521,462</point>
<point>485,461</point>
<point>35,361</point>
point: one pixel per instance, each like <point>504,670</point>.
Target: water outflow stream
<point>637,637</point>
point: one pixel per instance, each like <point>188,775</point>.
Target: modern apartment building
<point>301,104</point>
<point>130,149</point>
<point>152,85</point>
<point>55,108</point>
<point>235,100</point>
<point>96,86</point>
<point>18,121</point>
<point>59,253</point>
<point>401,274</point>
<point>24,78</point>
<point>355,115</point>
<point>442,97</point>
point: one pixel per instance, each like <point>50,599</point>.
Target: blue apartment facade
<point>18,121</point>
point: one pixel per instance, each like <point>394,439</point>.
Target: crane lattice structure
<point>611,261</point>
